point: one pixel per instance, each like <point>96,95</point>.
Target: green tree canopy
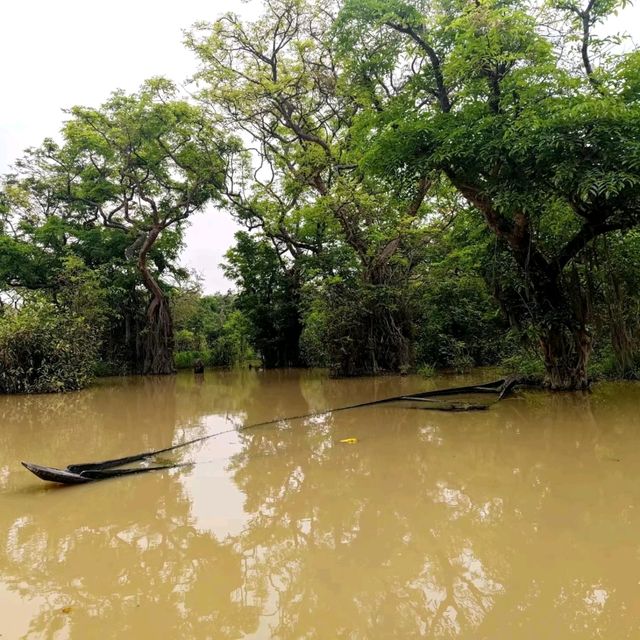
<point>506,102</point>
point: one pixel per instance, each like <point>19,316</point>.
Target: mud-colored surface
<point>522,521</point>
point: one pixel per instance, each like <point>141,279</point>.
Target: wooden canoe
<point>66,476</point>
<point>440,399</point>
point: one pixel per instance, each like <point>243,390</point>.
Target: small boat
<point>452,399</point>
<point>469,398</point>
<point>67,476</point>
<point>51,474</point>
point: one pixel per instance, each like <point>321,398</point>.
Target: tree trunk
<point>373,328</point>
<point>158,338</point>
<point>566,356</point>
<point>158,357</point>
<point>555,306</point>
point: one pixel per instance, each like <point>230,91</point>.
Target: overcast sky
<point>59,53</point>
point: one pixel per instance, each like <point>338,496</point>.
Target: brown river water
<point>521,521</point>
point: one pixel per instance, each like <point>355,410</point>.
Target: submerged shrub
<point>313,339</point>
<point>44,349</point>
<point>524,363</point>
<point>426,371</point>
<point>356,328</point>
<point>606,364</point>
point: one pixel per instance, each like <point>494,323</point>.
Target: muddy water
<point>522,521</point>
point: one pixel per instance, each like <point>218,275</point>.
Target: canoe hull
<point>65,476</point>
<point>51,474</point>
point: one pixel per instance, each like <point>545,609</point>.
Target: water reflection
<point>518,522</point>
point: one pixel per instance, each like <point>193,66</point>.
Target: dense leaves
<point>210,329</point>
<point>42,351</point>
<point>47,347</point>
<point>537,139</point>
<point>440,184</point>
<point>268,299</point>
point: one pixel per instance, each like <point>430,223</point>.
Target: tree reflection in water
<point>118,556</point>
<point>484,525</point>
<point>515,522</point>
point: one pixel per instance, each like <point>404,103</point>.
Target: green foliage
<point>48,346</point>
<point>319,215</point>
<point>235,341</point>
<point>143,160</point>
<point>525,363</point>
<point>610,274</point>
<point>414,177</point>
<point>210,328</point>
<point>460,324</point>
<point>313,338</point>
<point>355,328</point>
<point>426,371</point>
<point>209,358</point>
<point>523,126</point>
<point>185,340</point>
<point>268,299</point>
<point>606,364</point>
<point>44,349</point>
<point>116,194</point>
<point>83,292</point>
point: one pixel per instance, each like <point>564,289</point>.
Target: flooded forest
<point>414,412</point>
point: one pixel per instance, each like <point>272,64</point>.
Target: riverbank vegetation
<point>437,184</point>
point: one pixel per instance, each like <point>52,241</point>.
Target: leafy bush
<point>358,329</point>
<point>525,363</point>
<point>44,349</point>
<point>459,324</point>
<point>605,365</point>
<point>211,329</point>
<point>186,340</point>
<point>186,359</point>
<point>313,339</point>
<point>426,371</point>
<point>230,347</point>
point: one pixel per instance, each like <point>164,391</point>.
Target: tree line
<point>442,183</point>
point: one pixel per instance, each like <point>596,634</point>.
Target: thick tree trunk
<point>158,338</point>
<point>555,306</point>
<point>158,344</point>
<point>566,356</point>
<point>371,331</point>
<point>564,339</point>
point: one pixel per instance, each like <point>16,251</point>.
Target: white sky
<point>59,53</point>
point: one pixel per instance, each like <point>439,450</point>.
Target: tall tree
<point>268,297</point>
<point>140,165</point>
<point>535,133</point>
<point>278,81</point>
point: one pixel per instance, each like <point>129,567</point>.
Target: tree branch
<point>441,91</point>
